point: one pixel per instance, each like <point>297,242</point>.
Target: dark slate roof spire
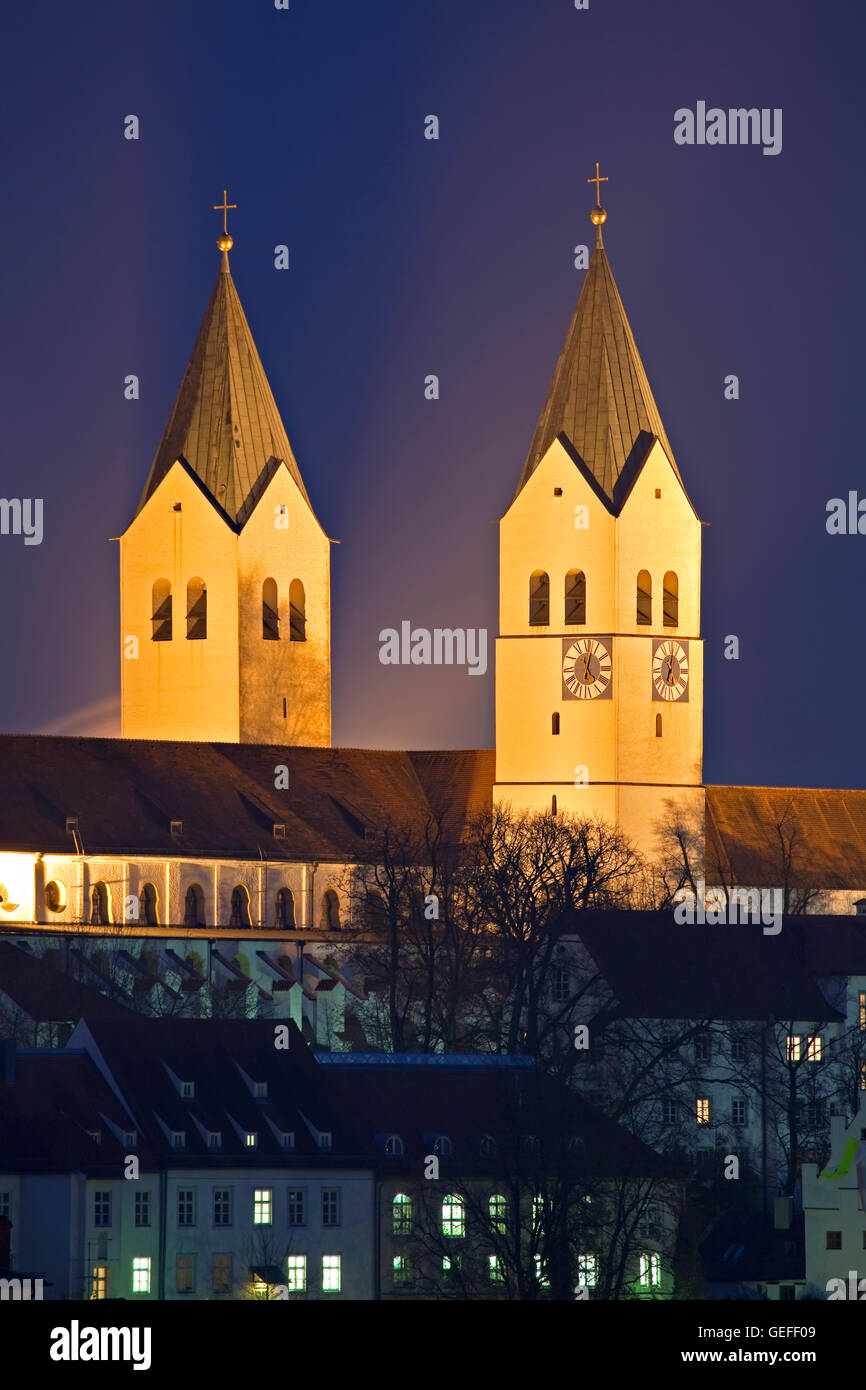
<point>224,421</point>
<point>599,397</point>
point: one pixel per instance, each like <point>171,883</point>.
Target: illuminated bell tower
<point>599,664</point>
<point>225,569</point>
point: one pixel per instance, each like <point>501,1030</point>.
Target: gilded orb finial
<point>598,214</point>
<point>225,242</point>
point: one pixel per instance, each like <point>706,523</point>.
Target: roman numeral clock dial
<point>670,670</point>
<point>586,668</point>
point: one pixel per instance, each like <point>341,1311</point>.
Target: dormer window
<point>260,1090</point>
<point>443,1146</point>
<point>95,1135</point>
<point>325,1139</point>
<point>394,1146</point>
<point>251,1139</point>
<point>130,1138</point>
<point>178,1139</point>
<point>287,1139</point>
<point>187,1090</point>
<point>214,1139</point>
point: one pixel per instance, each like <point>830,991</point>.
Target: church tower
<point>225,570</point>
<point>599,663</point>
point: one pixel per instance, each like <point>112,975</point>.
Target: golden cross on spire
<point>224,242</point>
<point>598,181</point>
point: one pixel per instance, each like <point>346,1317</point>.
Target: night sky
<point>454,257</point>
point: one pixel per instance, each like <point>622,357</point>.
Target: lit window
<point>262,1207</point>
<point>451,1266</point>
<point>102,1208</point>
<point>540,1273</point>
<point>401,1271</point>
<point>453,1217</point>
<point>141,1274</point>
<point>498,1210</point>
<point>792,1051</point>
<point>330,1206</point>
<point>251,1139</point>
<point>497,1273</point>
<point>297,1206</point>
<point>222,1206</point>
<point>297,1273</point>
<point>185,1273</point>
<point>863,1076</point>
<point>587,1271</point>
<point>401,1211</point>
<point>738,1112</point>
<point>185,1206</point>
<point>650,1271</point>
<point>861,1011</point>
<point>813,1048</point>
<point>99,1282</point>
<point>703,1110</point>
<point>537,1212</point>
<point>222,1273</point>
<point>330,1274</point>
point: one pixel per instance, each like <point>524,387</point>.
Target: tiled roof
<point>224,422</point>
<point>658,968</point>
<point>48,995</point>
<point>126,793</point>
<point>829,826</point>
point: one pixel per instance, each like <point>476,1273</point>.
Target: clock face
<point>670,670</point>
<point>586,668</point>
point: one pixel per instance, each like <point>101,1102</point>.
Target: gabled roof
<point>224,422</point>
<point>600,397</point>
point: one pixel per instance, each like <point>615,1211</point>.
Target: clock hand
<point>587,657</point>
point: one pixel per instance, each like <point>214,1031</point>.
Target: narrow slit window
<point>658,726</point>
<point>554,723</point>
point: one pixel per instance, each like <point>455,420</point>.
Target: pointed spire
<point>224,421</point>
<point>599,397</point>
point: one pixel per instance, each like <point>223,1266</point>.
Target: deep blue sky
<point>410,257</point>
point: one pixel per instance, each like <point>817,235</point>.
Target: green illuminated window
<point>453,1217</point>
<point>650,1267</point>
<point>297,1273</point>
<point>587,1270</point>
<point>262,1207</point>
<point>330,1274</point>
<point>141,1274</point>
<point>401,1211</point>
<point>498,1210</point>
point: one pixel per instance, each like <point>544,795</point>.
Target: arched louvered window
<point>644,598</point>
<point>330,910</point>
<point>161,611</point>
<point>240,911</point>
<point>285,913</point>
<point>148,905</point>
<point>297,612</point>
<point>575,597</point>
<point>270,611</point>
<point>671,600</point>
<point>99,912</point>
<point>196,610</point>
<point>193,909</point>
<point>539,599</point>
